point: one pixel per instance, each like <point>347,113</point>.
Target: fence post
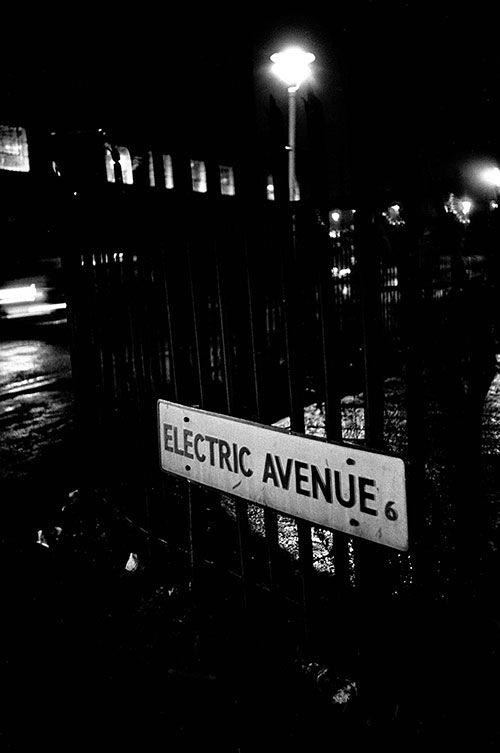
<point>241,507</point>
<point>412,285</point>
<point>270,516</point>
<point>331,379</point>
<point>293,333</point>
<point>372,575</point>
<point>368,250</point>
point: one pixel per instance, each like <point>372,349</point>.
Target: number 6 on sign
<point>334,485</point>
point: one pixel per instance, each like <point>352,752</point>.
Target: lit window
<point>137,163</point>
<point>151,166</point>
<point>14,149</point>
<point>198,176</point>
<point>270,188</point>
<point>168,171</point>
<point>226,181</point>
<point>125,163</point>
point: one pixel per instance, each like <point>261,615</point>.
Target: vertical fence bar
<point>292,325</point>
<point>74,265</point>
<point>371,560</point>
<point>293,330</point>
<point>195,546</point>
<point>241,507</point>
<point>413,328</point>
<point>331,377</point>
<point>172,341</point>
<point>197,507</point>
<point>270,516</point>
<point>253,338</point>
<point>373,576</point>
<point>370,305</point>
<point>197,338</point>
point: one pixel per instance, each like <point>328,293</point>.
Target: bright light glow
<point>460,208</point>
<point>198,176</point>
<point>20,294</point>
<point>344,272</point>
<point>151,168</point>
<point>292,66</point>
<point>335,216</point>
<point>34,309</point>
<point>25,301</point>
<point>19,358</point>
<point>227,187</point>
<point>168,171</point>
<point>393,215</point>
<point>491,176</point>
<point>14,154</point>
<point>270,188</point>
<point>125,164</point>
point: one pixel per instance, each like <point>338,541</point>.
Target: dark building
<point>175,111</point>
<point>402,101</point>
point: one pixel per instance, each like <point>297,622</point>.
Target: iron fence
<point>238,309</point>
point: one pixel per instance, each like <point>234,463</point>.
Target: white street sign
<point>338,486</point>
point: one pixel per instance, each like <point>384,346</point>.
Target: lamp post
<point>292,66</point>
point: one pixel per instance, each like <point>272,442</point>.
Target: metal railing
<point>234,308</point>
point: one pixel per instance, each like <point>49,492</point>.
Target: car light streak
<point>35,309</point>
<point>18,294</point>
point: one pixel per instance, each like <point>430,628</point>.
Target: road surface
<point>36,425</point>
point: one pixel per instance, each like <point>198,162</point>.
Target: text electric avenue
<point>338,486</point>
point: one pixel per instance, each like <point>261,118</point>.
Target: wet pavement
<point>36,428</point>
<point>30,364</point>
<point>33,424</point>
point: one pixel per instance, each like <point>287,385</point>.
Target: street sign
<point>338,486</point>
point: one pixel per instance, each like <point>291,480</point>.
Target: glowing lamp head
<point>292,66</point>
<point>492,176</point>
<point>466,206</point>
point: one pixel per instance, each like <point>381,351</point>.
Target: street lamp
<point>292,67</point>
<point>491,176</point>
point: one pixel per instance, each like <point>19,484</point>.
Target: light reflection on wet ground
<point>36,405</point>
<point>491,419</point>
<point>30,425</point>
<point>22,360</point>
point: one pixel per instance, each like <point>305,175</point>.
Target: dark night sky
<point>407,86</point>
<point>410,87</point>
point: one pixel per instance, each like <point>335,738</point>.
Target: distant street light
<point>466,205</point>
<point>292,66</point>
<point>460,208</point>
<point>492,176</point>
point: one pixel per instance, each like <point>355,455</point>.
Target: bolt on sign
<point>334,485</point>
